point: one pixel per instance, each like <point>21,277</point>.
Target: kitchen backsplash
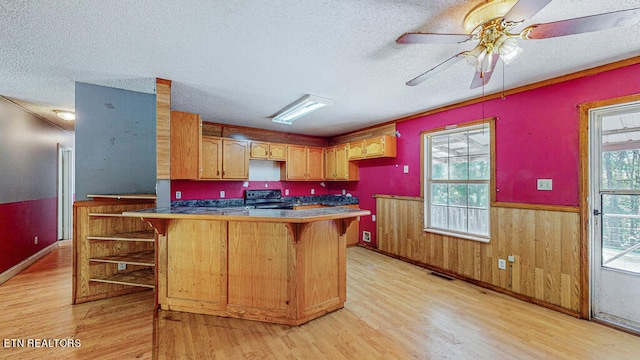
<point>331,200</point>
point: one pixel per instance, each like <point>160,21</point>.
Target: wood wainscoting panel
<point>543,242</point>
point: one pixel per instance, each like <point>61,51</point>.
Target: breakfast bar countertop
<point>242,214</point>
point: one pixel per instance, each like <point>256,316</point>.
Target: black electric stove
<point>265,199</point>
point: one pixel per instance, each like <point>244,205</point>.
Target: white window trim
<point>427,182</point>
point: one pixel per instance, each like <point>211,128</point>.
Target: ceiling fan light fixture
<point>508,48</point>
<point>476,56</point>
<point>508,57</point>
<point>299,108</point>
<point>486,65</point>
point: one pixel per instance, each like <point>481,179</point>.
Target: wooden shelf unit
<point>105,240</point>
<point>139,278</point>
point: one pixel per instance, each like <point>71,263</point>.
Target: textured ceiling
<point>239,62</point>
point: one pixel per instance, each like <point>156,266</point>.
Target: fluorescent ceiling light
<point>65,115</point>
<point>300,108</point>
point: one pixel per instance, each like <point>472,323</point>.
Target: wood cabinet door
<point>259,150</point>
<point>374,147</point>
<point>356,150</point>
<point>342,163</point>
<point>185,145</point>
<point>353,229</point>
<point>330,163</point>
<point>315,163</point>
<point>296,162</point>
<point>211,158</point>
<point>383,146</point>
<point>277,152</point>
<point>235,159</point>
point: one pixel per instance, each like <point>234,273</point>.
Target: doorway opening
<point>65,193</point>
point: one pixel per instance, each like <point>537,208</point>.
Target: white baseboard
<point>15,270</point>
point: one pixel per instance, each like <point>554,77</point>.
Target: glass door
<point>615,225</point>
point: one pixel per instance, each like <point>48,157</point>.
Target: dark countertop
<point>241,214</point>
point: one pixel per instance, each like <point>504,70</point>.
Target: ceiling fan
<point>491,24</point>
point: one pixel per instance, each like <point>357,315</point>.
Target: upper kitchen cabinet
<point>268,151</point>
<point>186,137</point>
<point>304,163</point>
<point>377,147</point>
<point>224,159</point>
<point>235,159</point>
<point>194,156</point>
<point>338,166</point>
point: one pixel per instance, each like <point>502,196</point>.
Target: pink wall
<point>536,137</point>
<point>207,190</point>
<point>20,222</point>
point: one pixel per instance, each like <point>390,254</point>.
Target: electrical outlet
<point>366,236</point>
<point>313,191</point>
<point>286,192</point>
<point>122,266</point>
<point>35,240</point>
<point>502,264</point>
<point>178,194</point>
<point>373,218</point>
<point>222,194</point>
<point>406,169</point>
<point>344,192</point>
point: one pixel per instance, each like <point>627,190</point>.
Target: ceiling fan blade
<point>432,38</point>
<point>438,68</point>
<point>482,78</point>
<point>525,9</point>
<point>584,24</point>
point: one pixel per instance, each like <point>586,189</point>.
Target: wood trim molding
<point>398,197</point>
<point>163,129</point>
<point>16,269</point>
<point>561,208</point>
<point>576,75</point>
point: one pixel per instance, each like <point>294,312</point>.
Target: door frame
<point>584,193</point>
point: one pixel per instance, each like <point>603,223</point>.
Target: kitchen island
<point>280,266</point>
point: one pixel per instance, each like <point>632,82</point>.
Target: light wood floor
<point>394,310</point>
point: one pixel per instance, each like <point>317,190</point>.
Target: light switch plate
<point>502,264</point>
<point>545,184</point>
<point>406,169</point>
<point>178,194</point>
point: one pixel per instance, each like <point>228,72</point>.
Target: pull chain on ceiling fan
<point>491,24</point>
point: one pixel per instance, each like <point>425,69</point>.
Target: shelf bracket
<point>159,225</point>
